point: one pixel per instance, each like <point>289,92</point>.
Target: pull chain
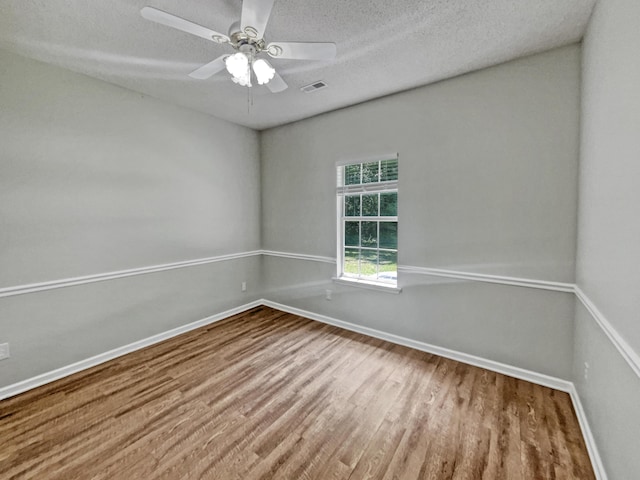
<point>250,87</point>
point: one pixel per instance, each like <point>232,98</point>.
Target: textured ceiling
<point>383,46</point>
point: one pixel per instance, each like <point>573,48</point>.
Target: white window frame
<point>342,191</point>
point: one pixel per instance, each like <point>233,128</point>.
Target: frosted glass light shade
<point>243,81</point>
<point>264,72</point>
<point>238,66</point>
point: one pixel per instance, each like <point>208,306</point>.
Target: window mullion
<point>371,219</point>
<point>378,246</point>
<point>360,230</point>
<point>360,245</point>
<point>378,227</point>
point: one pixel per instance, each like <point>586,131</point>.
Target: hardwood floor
<point>269,395</point>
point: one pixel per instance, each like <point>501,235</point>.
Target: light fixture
<point>246,37</point>
<point>264,72</point>
<point>238,66</point>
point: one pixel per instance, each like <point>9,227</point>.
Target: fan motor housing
<point>248,36</point>
<point>239,39</point>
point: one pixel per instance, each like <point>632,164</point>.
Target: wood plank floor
<point>269,395</point>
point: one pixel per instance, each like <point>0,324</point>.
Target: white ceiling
<point>383,46</point>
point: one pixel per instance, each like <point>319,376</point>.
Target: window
<point>367,196</point>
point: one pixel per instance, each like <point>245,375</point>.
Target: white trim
<point>367,159</point>
<point>589,440</point>
<point>299,256</point>
<point>632,358</point>
<point>478,277</point>
<point>44,378</point>
<point>389,186</point>
<point>369,285</point>
<point>481,277</point>
<point>339,236</point>
<point>528,375</point>
<point>537,378</point>
<point>100,277</point>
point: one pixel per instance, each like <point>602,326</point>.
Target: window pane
<point>369,263</point>
<point>352,174</point>
<point>389,204</point>
<point>388,269</point>
<point>368,226</point>
<point>370,205</point>
<point>370,172</point>
<point>388,234</point>
<point>351,261</point>
<point>389,170</point>
<point>352,233</point>
<point>352,206</point>
<point>369,234</point>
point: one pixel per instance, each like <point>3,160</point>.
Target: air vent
<point>312,87</point>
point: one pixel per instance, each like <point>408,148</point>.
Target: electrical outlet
<point>586,370</point>
<point>327,294</point>
<point>4,351</point>
<point>244,286</point>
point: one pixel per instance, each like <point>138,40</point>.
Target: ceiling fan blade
<point>255,15</point>
<point>178,23</point>
<point>302,50</point>
<point>209,69</point>
<point>276,84</point>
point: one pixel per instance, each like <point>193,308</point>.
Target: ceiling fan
<point>247,38</point>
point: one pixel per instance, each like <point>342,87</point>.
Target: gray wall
<point>610,396</point>
<point>95,178</point>
<point>608,257</point>
<point>488,184</point>
<point>609,238</point>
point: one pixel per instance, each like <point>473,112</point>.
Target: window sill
<point>381,287</point>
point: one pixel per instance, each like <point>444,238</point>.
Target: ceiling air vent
<point>312,87</point>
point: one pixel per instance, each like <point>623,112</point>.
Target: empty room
<point>279,239</point>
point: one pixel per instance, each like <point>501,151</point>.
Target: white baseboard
<point>596,461</point>
<point>528,375</point>
<point>42,379</point>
